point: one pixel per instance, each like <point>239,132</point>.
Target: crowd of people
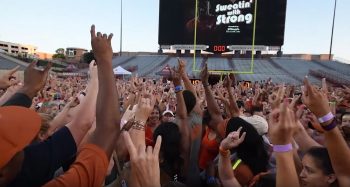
<point>103,131</point>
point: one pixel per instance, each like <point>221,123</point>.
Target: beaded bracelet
<point>138,125</point>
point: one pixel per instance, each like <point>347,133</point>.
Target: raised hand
<point>144,163</point>
<point>233,140</point>
<point>93,70</point>
<point>204,74</point>
<point>282,125</point>
<point>316,100</point>
<point>276,98</point>
<point>5,81</point>
<point>34,79</point>
<point>101,46</point>
<point>176,76</point>
<point>144,109</point>
<point>182,66</point>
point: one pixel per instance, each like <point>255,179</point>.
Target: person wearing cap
<point>15,134</point>
<point>42,160</point>
<point>168,116</point>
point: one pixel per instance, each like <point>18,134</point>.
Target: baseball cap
<point>18,127</point>
<point>258,122</point>
<point>168,111</point>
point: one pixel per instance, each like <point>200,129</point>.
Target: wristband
<point>330,126</point>
<point>224,153</point>
<point>282,148</point>
<point>206,85</point>
<point>178,88</point>
<point>211,180</point>
<point>326,118</point>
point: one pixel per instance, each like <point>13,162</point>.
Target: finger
<point>48,67</point>
<point>129,145</point>
<point>241,139</point>
<point>110,37</point>
<point>308,87</point>
<point>324,86</point>
<point>284,109</point>
<point>239,130</point>
<point>153,101</point>
<point>14,70</point>
<point>99,34</point>
<point>105,36</point>
<point>157,146</point>
<point>92,31</point>
<point>15,82</point>
<point>141,149</point>
<point>33,64</point>
<point>149,150</point>
<point>294,101</point>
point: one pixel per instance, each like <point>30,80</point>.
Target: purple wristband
<point>326,118</point>
<point>282,148</point>
<point>330,126</point>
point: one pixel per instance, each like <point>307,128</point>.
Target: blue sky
<point>50,24</point>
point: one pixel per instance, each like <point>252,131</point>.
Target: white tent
<point>121,71</point>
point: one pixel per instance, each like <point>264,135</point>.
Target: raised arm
<point>226,174</point>
<point>234,110</point>
<point>181,113</point>
<point>107,107</point>
<point>281,128</point>
<point>34,81</point>
<point>213,107</point>
<point>83,119</point>
<point>188,85</point>
<point>338,150</point>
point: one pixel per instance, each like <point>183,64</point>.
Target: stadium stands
<point>289,71</point>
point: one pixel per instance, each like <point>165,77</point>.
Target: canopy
<point>121,71</point>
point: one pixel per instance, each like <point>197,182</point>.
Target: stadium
<point>235,48</point>
<point>220,104</point>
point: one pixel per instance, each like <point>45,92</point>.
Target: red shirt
<point>209,150</point>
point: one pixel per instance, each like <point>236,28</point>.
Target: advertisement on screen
<point>222,22</point>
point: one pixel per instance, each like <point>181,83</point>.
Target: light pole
<point>121,27</point>
<point>330,50</point>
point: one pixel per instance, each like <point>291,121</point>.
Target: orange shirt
<point>149,136</point>
<point>89,169</point>
<point>209,150</point>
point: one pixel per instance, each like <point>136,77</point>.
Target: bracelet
<point>282,148</point>
<point>178,88</point>
<point>211,180</point>
<point>138,125</point>
<point>224,153</point>
<point>326,118</point>
<point>206,85</point>
<point>331,126</point>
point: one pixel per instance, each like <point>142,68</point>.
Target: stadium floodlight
<point>331,45</point>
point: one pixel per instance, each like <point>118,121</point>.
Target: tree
<point>88,57</point>
<point>61,56</point>
<point>60,51</point>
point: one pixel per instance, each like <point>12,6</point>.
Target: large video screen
<point>222,22</point>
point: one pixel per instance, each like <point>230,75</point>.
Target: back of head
<point>190,100</point>
<point>171,139</point>
<point>251,150</point>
